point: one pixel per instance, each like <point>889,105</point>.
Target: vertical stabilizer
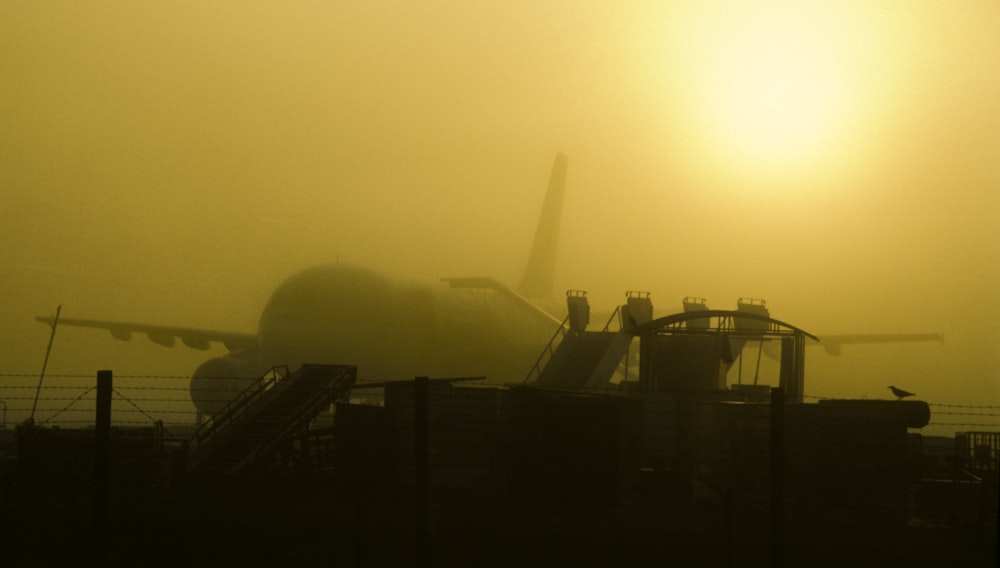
<point>540,271</point>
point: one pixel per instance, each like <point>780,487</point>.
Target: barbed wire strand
<point>75,400</point>
<point>131,401</point>
<point>143,412</point>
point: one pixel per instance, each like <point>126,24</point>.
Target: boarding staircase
<point>579,360</point>
<point>277,405</point>
<point>585,361</point>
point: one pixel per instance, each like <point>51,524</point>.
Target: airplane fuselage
<point>389,329</point>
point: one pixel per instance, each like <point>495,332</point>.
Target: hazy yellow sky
<point>171,162</point>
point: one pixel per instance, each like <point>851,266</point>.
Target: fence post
<point>421,466</point>
<point>777,483</point>
<point>102,457</point>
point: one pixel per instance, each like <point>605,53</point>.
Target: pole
<point>421,463</point>
<point>102,458</point>
<point>777,482</point>
<point>729,528</point>
<point>45,363</point>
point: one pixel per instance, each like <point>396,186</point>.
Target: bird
<point>900,393</point>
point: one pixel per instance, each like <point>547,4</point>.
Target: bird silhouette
<point>900,393</point>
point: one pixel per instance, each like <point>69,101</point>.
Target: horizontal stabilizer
<point>487,283</point>
<point>832,344</point>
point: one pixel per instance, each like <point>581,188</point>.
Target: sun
<point>774,82</point>
<point>771,101</point>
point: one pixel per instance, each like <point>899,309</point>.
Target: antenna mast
<point>41,377</point>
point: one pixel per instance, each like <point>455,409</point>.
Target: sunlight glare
<point>775,86</point>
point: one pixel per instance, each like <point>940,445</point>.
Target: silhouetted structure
<point>624,444</point>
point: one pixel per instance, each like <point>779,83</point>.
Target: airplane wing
<point>832,343</point>
<point>162,334</point>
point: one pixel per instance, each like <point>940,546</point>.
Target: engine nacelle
<point>217,381</point>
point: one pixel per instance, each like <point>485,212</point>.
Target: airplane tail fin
<point>539,273</point>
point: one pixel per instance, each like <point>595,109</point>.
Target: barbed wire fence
<point>730,443</point>
<point>138,399</point>
<point>150,398</point>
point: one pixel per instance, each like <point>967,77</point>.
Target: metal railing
<point>222,421</point>
<point>550,347</point>
<point>306,410</point>
<point>615,315</point>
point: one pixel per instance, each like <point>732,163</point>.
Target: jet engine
<point>216,381</point>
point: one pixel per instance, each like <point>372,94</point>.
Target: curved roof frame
<point>775,327</point>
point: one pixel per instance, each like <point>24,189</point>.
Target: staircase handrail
<point>218,423</point>
<point>345,377</point>
<point>615,314</point>
<point>536,369</point>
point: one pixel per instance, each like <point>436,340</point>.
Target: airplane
<point>391,329</point>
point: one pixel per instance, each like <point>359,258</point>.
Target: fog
<point>173,162</point>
